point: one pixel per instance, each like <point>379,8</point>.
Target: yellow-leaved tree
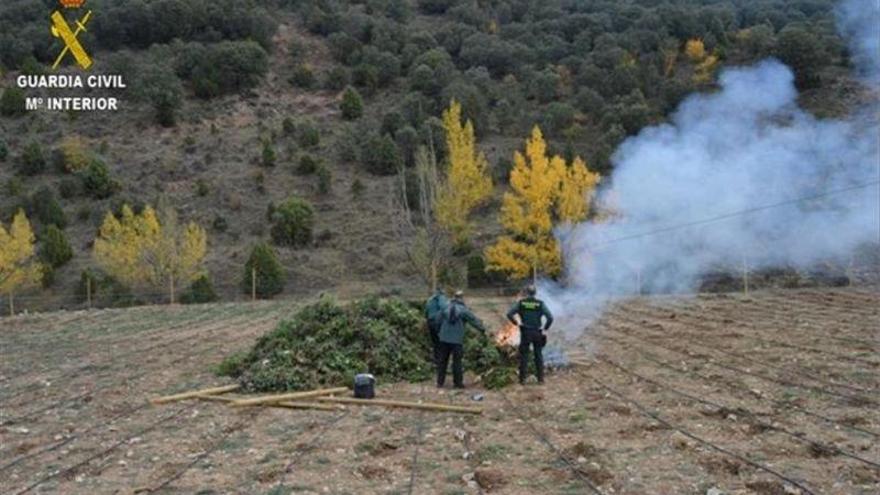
<point>467,183</point>
<point>18,265</point>
<point>545,191</point>
<point>704,62</point>
<point>151,248</point>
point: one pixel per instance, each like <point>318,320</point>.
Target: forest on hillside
<point>588,73</point>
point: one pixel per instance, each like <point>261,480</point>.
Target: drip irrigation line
<point>764,377</point>
<point>734,214</point>
<point>813,443</point>
<point>551,446</point>
<point>729,453</point>
<point>102,453</point>
<point>420,420</point>
<point>240,425</point>
<point>775,402</point>
<point>693,320</point>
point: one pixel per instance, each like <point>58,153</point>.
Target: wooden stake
<point>427,406</point>
<point>253,284</point>
<point>89,292</point>
<point>287,405</point>
<point>194,394</point>
<point>274,399</point>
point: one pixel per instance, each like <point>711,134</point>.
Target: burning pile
<point>328,344</point>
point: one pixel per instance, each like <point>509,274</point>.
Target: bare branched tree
<point>427,243</point>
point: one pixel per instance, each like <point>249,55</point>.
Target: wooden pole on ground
<point>89,292</point>
<point>274,399</point>
<point>194,394</point>
<point>287,405</point>
<point>427,406</point>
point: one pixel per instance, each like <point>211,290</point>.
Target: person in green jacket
<point>452,339</point>
<point>531,311</point>
<point>434,308</point>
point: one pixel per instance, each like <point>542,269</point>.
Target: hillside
<point>590,73</point>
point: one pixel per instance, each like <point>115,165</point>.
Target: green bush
<point>69,188</point>
<point>357,188</point>
<point>303,77</point>
<point>222,68</point>
<point>352,105</point>
<point>268,157</point>
<point>220,224</point>
<point>381,156</point>
<point>55,250</point>
<point>336,78</point>
<point>4,151</point>
<point>325,179</point>
<point>292,223</point>
<point>45,208</point>
<point>32,162</point>
<point>14,187</point>
<point>308,165</point>
<point>200,292</point>
<point>309,135</point>
<point>12,102</point>
<point>326,344</point>
<point>269,278</point>
<point>161,87</point>
<point>288,127</point>
<point>96,180</point>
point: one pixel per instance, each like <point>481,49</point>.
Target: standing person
<point>531,310</point>
<point>452,339</point>
<point>434,308</point>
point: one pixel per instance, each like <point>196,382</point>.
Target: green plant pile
<point>327,344</point>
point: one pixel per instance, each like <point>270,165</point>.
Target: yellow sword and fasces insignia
<point>60,29</point>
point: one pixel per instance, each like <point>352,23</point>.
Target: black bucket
<point>364,386</point>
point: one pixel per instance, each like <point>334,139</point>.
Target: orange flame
<point>508,335</point>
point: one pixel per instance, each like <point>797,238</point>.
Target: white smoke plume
<point>721,185</point>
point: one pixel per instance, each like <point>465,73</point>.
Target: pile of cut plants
<point>328,343</point>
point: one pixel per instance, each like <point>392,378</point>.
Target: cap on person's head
<point>459,294</point>
<point>531,290</point>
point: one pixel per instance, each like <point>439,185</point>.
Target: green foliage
<point>96,180</point>
<point>357,188</point>
<point>200,292</point>
<point>327,344</point>
<point>325,179</point>
<point>69,188</point>
<point>32,161</point>
<point>268,156</point>
<point>805,52</point>
<point>161,87</point>
<point>44,207</point>
<point>309,135</point>
<point>303,77</point>
<point>352,106</point>
<point>292,223</point>
<point>269,273</point>
<point>4,151</point>
<point>222,68</point>
<point>336,78</point>
<point>308,165</point>
<point>55,250</point>
<point>381,156</point>
<point>288,127</point>
<point>12,102</point>
<point>478,276</point>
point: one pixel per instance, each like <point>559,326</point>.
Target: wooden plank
<point>270,399</point>
<point>427,406</point>
<point>288,405</point>
<point>194,394</point>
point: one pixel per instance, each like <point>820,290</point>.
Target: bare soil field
<point>772,393</point>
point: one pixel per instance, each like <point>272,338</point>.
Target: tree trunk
<point>253,284</point>
<point>433,275</point>
<point>11,305</point>
<point>171,287</point>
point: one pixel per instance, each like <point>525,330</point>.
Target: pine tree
<point>263,274</point>
<point>352,105</point>
<point>55,250</point>
<point>545,192</point>
<point>468,183</point>
<point>18,266</point>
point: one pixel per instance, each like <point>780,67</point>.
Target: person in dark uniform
<point>434,308</point>
<point>455,317</point>
<point>531,311</point>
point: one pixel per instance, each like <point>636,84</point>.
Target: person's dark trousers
<point>434,331</point>
<point>456,351</point>
<point>530,338</point>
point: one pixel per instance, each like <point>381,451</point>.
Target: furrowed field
<point>770,393</point>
